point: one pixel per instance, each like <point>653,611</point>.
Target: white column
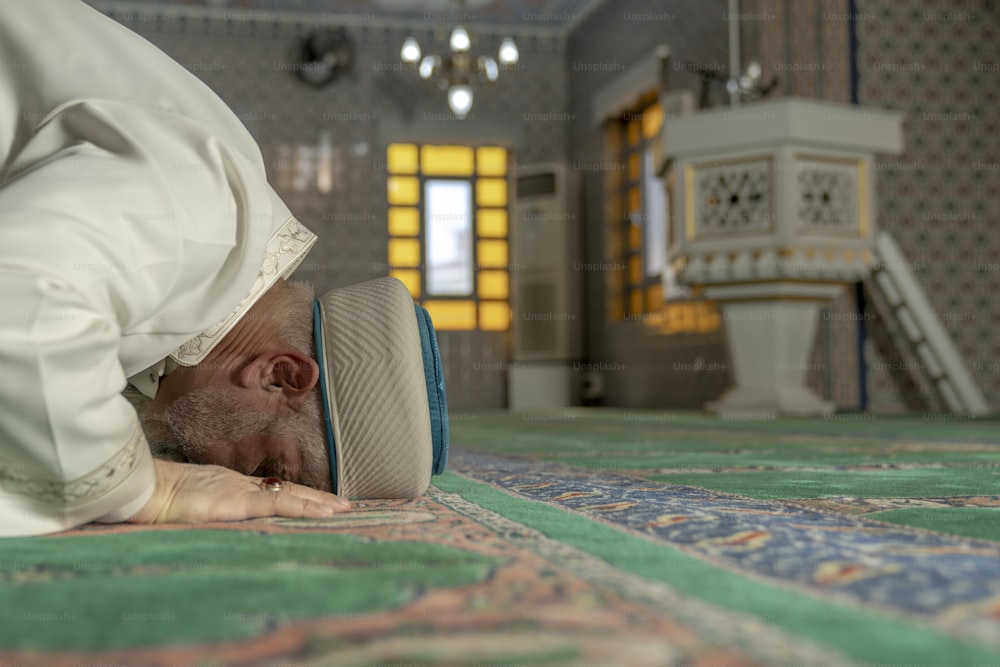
<point>770,339</point>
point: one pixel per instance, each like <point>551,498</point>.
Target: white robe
<point>136,228</point>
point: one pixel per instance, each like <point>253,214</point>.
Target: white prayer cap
<point>383,390</point>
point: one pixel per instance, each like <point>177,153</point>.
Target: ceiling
<point>550,16</point>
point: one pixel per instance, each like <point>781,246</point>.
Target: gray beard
<point>162,448</point>
<point>199,422</point>
<point>210,419</point>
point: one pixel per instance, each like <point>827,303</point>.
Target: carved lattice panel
<point>827,195</point>
<point>733,197</point>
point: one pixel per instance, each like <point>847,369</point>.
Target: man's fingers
<point>315,495</point>
<point>187,493</point>
<point>295,507</point>
<point>294,501</point>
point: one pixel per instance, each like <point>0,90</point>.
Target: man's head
<point>253,404</point>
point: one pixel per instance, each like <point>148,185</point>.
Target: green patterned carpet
<point>578,537</point>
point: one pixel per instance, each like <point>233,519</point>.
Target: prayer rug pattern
<point>940,579</point>
<point>435,581</point>
<point>582,537</point>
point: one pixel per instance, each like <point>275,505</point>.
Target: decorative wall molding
<point>130,11</point>
<point>769,264</point>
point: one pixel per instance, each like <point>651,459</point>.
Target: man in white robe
<point>137,231</point>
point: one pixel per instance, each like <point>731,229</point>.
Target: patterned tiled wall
<point>246,63</point>
<point>803,43</point>
<point>939,62</point>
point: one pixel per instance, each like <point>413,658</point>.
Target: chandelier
<point>457,71</point>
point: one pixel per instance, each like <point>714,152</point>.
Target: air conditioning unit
<point>546,281</point>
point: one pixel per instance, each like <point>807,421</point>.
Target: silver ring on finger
<point>272,484</point>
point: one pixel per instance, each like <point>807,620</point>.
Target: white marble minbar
<point>772,214</point>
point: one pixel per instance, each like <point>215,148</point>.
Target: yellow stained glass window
<point>491,192</point>
<point>410,278</point>
<point>493,285</point>
<point>404,253</point>
<point>419,177</point>
<point>492,253</point>
<point>652,121</point>
<point>494,316</point>
<point>491,161</point>
<point>637,209</point>
<point>634,201</point>
<point>632,132</point>
<point>634,167</point>
<point>452,315</point>
<point>401,159</point>
<point>634,236</point>
<point>447,160</point>
<point>635,271</point>
<point>403,190</point>
<point>492,222</point>
<point>404,221</point>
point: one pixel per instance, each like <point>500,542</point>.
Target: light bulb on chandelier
<point>460,99</point>
<point>410,53</point>
<point>508,52</point>
<point>460,41</point>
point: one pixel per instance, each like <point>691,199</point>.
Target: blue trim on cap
<point>436,398</point>
<point>330,444</point>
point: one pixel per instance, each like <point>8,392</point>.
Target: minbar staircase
<point>941,365</point>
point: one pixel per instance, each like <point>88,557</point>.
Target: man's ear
<point>289,372</point>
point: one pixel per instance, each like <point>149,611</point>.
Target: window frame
<point>645,294</point>
<point>644,299</point>
<point>487,307</point>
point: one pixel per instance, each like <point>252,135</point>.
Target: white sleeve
<point>89,245</point>
<point>71,447</point>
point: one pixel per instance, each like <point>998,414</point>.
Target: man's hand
<point>188,493</point>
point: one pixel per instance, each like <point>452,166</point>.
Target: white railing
<point>941,360</point>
